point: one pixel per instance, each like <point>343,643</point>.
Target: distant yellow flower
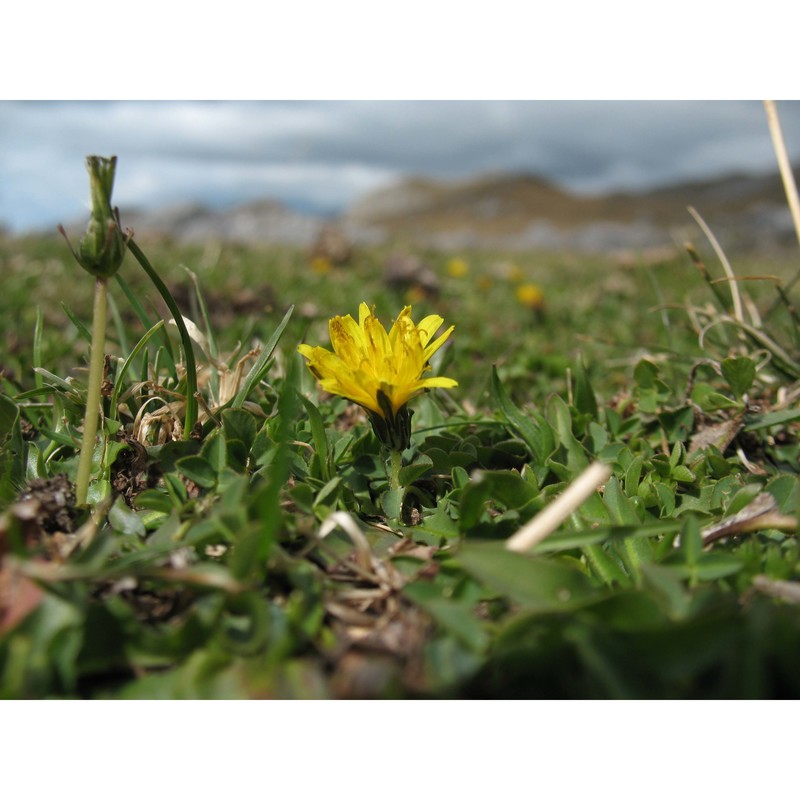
<point>378,370</point>
<point>321,265</point>
<point>457,268</point>
<point>484,283</point>
<point>415,294</point>
<point>530,295</point>
<point>514,273</point>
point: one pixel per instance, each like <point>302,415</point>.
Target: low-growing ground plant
<point>264,518</point>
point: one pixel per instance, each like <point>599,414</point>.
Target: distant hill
<point>511,212</point>
<point>526,211</point>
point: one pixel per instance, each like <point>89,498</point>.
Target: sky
<point>321,156</point>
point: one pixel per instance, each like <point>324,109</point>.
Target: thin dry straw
<point>785,166</point>
<point>737,300</point>
<point>343,520</point>
<point>547,520</point>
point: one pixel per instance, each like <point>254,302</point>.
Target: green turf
<point>203,571</point>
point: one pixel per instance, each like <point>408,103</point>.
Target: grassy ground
<point>266,555</point>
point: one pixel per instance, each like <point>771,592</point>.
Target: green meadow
<point>268,550</point>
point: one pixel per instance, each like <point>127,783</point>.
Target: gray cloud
<point>322,155</point>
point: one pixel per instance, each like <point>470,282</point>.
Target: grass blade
<point>191,366</point>
<point>258,370</point>
<point>128,361</point>
<point>37,347</point>
<point>83,331</point>
<point>144,318</point>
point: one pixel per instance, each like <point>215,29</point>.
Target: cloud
<point>321,156</point>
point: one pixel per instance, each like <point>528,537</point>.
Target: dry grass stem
<point>760,514</point>
<point>787,176</point>
<point>547,520</point>
<point>735,296</point>
<point>343,520</point>
<point>788,591</point>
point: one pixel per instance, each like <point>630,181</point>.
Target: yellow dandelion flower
<point>530,295</point>
<point>380,370</point>
<point>457,268</point>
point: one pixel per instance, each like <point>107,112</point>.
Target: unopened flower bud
<point>102,247</point>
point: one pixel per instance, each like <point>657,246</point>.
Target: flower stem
<point>95,380</point>
<point>396,457</point>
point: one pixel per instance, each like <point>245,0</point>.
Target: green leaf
<point>154,500</point>
<point>34,463</point>
<point>713,566</point>
<point>705,396</point>
<point>683,474</point>
<point>561,418</point>
<point>633,475</point>
<point>585,401</point>
<point>235,456</point>
<point>691,540</point>
<point>12,450</point>
<point>49,640</point>
<point>667,586</point>
<point>621,509</point>
<point>634,552</point>
<point>742,498</point>
<point>415,470</point>
<point>215,451</point>
<point>710,567</point>
<point>392,503</point>
<point>677,423</point>
<point>650,389</point>
<point>506,487</point>
<point>740,373</point>
<point>197,469</point>
<point>540,584</point>
<point>666,498</point>
<point>786,491</point>
<point>239,424</point>
<point>677,454</point>
<point>99,490</point>
<point>329,490</point>
<point>645,373</point>
<point>757,423</point>
<point>605,566</point>
<point>125,520</point>
<point>454,617</point>
<point>320,438</point>
<point>439,524</point>
<point>253,548</point>
<point>537,435</point>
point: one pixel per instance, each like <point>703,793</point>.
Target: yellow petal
<point>347,340</point>
<point>438,382</point>
<point>432,348</point>
<point>429,326</point>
